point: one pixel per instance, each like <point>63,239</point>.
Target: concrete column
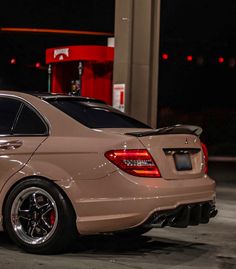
<point>136,56</point>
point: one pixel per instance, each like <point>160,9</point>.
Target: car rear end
<point>155,178</point>
<point>172,169</point>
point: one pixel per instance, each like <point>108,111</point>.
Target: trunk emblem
<point>186,140</point>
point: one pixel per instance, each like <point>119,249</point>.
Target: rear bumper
<point>183,216</point>
<point>119,203</point>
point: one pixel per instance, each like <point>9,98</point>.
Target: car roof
<point>55,96</point>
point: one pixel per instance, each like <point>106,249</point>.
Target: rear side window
<point>16,118</point>
<point>8,112</point>
<point>96,115</point>
<point>29,123</point>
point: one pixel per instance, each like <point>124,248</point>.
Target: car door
<point>22,130</point>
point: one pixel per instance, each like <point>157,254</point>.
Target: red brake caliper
<point>52,217</point>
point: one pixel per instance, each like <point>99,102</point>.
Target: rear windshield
<point>94,115</point>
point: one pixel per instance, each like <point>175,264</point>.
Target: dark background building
<point>197,79</point>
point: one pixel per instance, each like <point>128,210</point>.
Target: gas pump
<point>76,85</point>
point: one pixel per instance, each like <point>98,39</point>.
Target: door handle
<point>11,145</point>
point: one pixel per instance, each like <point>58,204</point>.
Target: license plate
<point>182,161</point>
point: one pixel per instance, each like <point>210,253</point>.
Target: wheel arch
<point>65,196</point>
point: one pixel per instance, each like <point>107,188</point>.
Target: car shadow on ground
<point>5,242</point>
<point>113,244</point>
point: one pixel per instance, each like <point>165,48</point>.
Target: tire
<point>134,232</point>
<point>39,218</point>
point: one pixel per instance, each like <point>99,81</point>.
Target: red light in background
<point>221,60</point>
<point>165,56</point>
<point>189,58</point>
<point>13,61</point>
<point>37,65</point>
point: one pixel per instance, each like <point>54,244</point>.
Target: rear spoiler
<point>175,129</point>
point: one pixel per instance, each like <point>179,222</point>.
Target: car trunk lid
<point>176,150</point>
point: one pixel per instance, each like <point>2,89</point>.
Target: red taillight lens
<point>205,153</point>
<point>137,162</point>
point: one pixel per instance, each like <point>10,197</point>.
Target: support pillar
<point>137,24</point>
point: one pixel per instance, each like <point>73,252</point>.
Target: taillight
<point>205,153</point>
<point>137,162</point>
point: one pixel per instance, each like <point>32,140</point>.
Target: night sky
<point>199,21</point>
<point>93,15</point>
<point>193,21</point>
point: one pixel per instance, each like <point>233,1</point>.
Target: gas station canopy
<point>79,53</point>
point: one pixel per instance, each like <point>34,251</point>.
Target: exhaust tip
<point>159,222</point>
<point>213,213</point>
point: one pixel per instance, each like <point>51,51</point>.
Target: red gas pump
<point>81,70</point>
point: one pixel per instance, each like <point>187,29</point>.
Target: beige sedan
<point>73,165</point>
